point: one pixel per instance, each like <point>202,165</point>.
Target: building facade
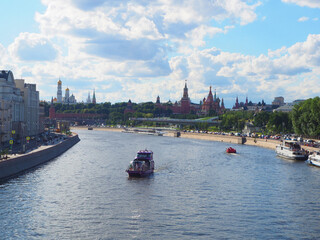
<point>59,92</point>
<point>31,107</point>
<point>278,102</point>
<point>212,103</point>
<point>11,107</point>
<point>185,106</point>
<point>67,99</point>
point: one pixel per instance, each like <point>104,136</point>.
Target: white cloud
<point>281,72</point>
<point>98,25</point>
<point>124,49</point>
<point>303,19</point>
<point>33,47</point>
<point>305,3</point>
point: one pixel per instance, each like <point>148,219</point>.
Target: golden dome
<point>55,99</point>
<point>59,82</point>
<point>67,89</point>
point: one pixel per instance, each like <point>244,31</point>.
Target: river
<point>197,192</point>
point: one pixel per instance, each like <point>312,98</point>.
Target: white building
<point>288,107</point>
<point>67,99</point>
<point>66,96</point>
<point>59,92</point>
<point>31,107</point>
<point>11,107</point>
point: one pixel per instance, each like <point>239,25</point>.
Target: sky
<point>142,49</point>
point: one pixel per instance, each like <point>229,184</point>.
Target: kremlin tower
<point>185,101</point>
<point>52,111</point>
<point>66,96</point>
<point>94,97</point>
<point>59,92</point>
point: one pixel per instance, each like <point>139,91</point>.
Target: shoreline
<point>20,163</point>
<point>264,143</point>
<point>270,143</point>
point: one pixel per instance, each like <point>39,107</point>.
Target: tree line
<point>304,119</point>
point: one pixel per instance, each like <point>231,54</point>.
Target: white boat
<point>291,150</point>
<point>314,159</point>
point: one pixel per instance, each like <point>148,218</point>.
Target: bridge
<point>212,121</point>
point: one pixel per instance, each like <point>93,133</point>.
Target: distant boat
<point>142,165</point>
<point>291,150</point>
<point>231,150</point>
<point>90,128</point>
<point>314,159</point>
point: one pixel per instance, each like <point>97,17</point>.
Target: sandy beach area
<point>264,143</point>
<point>271,144</point>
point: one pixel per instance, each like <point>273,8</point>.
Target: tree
<point>116,117</point>
<point>306,117</point>
<point>261,119</point>
<point>279,122</point>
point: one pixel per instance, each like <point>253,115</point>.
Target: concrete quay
<point>19,163</point>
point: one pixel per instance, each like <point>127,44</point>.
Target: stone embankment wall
<point>18,164</point>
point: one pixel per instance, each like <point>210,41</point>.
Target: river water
<point>197,192</point>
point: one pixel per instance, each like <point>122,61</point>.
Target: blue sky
<point>141,49</point>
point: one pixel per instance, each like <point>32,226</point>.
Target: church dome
<point>67,89</point>
<point>59,82</point>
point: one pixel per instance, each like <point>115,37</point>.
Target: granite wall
<point>17,165</point>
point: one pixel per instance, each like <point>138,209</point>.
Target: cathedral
<point>67,99</point>
<point>185,106</point>
<point>93,100</point>
<point>212,103</point>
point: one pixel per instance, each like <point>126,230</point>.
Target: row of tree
<point>304,119</point>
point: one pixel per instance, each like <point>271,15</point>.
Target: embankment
<point>258,142</point>
<point>16,165</point>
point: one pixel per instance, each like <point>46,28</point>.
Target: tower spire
<point>94,97</point>
<point>185,90</point>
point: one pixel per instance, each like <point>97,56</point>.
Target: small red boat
<point>231,150</point>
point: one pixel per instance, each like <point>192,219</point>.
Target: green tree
<point>279,122</point>
<point>306,117</point>
<point>261,119</point>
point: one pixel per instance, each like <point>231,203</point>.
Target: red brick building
<point>212,103</point>
<point>185,106</point>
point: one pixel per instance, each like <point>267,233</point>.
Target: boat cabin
<point>292,145</point>
<point>144,155</point>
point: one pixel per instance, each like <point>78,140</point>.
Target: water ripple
<point>196,192</point>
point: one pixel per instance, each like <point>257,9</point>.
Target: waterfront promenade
<point>270,144</point>
<point>18,163</point>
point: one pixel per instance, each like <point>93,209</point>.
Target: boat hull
<point>133,173</point>
<point>314,160</point>
<point>231,150</point>
<point>291,157</point>
<point>288,153</point>
<point>314,163</point>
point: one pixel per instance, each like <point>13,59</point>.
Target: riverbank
<point>18,163</point>
<point>265,143</point>
<point>258,142</point>
<point>269,143</point>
